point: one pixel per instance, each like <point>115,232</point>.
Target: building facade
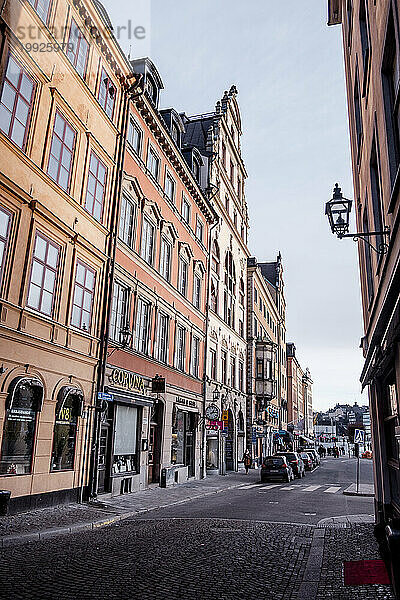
<point>216,136</point>
<point>266,358</point>
<point>299,394</point>
<point>157,325</point>
<point>372,52</point>
<point>60,125</point>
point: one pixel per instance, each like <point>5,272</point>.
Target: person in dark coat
<point>247,461</point>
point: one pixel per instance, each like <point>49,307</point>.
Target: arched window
<point>230,290</point>
<point>24,400</point>
<point>215,257</point>
<point>214,296</point>
<point>68,409</point>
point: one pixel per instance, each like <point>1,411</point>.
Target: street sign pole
<point>358,468</point>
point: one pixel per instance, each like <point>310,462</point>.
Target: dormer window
<point>175,134</point>
<point>196,169</point>
<point>151,89</point>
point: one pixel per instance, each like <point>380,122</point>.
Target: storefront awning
<point>129,397</point>
<point>307,440</point>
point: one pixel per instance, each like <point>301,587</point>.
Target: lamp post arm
<point>382,248</point>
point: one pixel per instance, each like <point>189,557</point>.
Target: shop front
<point>125,430</point>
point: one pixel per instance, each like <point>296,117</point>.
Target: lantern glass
<point>338,212</point>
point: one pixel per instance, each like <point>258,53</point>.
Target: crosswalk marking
<point>311,488</point>
<point>288,487</point>
<point>300,487</point>
<point>332,490</point>
<point>248,487</point>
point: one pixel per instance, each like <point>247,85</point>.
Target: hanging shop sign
<point>127,381</point>
<point>273,412</point>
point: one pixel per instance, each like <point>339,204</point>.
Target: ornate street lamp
<point>338,211</point>
<point>125,336</point>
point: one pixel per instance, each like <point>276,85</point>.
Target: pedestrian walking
<point>321,451</point>
<point>247,461</point>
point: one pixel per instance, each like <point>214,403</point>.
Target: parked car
<point>307,460</point>
<point>295,462</point>
<point>315,456</point>
<point>276,467</point>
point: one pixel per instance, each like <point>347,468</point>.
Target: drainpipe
<point>129,95</point>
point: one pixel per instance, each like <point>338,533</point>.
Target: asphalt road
<point>234,545</point>
<point>317,496</point>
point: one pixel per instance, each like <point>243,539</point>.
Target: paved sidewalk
<point>364,489</point>
<point>49,522</point>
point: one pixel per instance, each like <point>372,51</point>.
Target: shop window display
<point>24,400</point>
<point>126,439</point>
<point>67,411</point>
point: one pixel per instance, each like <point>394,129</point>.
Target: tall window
<point>185,210</point>
<point>239,189</point>
<point>127,221</point>
<point>196,169</point>
<point>107,93</point>
<point>147,249</point>
<point>364,33</point>
<point>224,366</point>
<point>162,337</point>
<point>233,371</point>
<point>241,326</point>
<point>61,152</point>
<point>42,8</point>
<point>197,291</point>
<point>199,229</point>
<point>215,257</point>
<point>153,163</point>
<point>43,275</point>
<point>230,290</point>
<point>241,292</point>
<point>357,113</point>
<point>135,136</point>
<point>78,49</point>
<point>390,83</point>
<point>213,364</point>
<point>65,429</point>
<point>165,259</point>
<point>170,187</point>
<point>223,155</point>
<point>195,356</point>
<point>260,368</point>
<point>16,103</point>
<point>82,302</point>
<point>241,376</point>
<point>368,259</point>
<point>183,277</point>
<point>376,191</point>
<point>142,334</point>
<point>227,204</point>
<point>5,226</point>
<point>214,296</point>
<point>97,179</point>
<point>232,172</point>
<point>119,311</point>
<point>180,348</point>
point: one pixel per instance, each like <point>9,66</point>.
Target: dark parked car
<point>314,454</point>
<point>295,461</point>
<point>307,460</point>
<point>276,467</point>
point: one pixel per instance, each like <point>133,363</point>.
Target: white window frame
<point>181,348</point>
<point>150,150</point>
<point>180,279</point>
<point>134,125</point>
<point>165,265</point>
<point>186,201</point>
<point>195,356</point>
<point>144,244</point>
<point>162,341</point>
<point>199,226</point>
<point>142,326</point>
<point>169,178</point>
<point>197,280</point>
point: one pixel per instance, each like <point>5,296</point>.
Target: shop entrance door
<point>190,444</point>
<point>155,441</point>
<point>104,458</point>
<point>229,445</point>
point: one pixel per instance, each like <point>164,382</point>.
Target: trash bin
<point>4,502</point>
<point>163,478</point>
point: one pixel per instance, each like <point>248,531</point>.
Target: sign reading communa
<point>127,380</point>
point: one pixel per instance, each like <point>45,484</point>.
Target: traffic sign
<point>359,436</point>
<point>104,396</point>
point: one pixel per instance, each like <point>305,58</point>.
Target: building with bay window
<point>266,358</point>
<point>159,298</point>
<point>60,122</point>
<point>212,147</point>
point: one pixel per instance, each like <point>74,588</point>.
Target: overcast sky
<point>288,68</point>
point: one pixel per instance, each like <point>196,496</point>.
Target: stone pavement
<point>364,489</point>
<point>48,522</point>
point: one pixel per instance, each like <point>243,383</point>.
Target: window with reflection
<point>68,409</point>
<point>24,400</point>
